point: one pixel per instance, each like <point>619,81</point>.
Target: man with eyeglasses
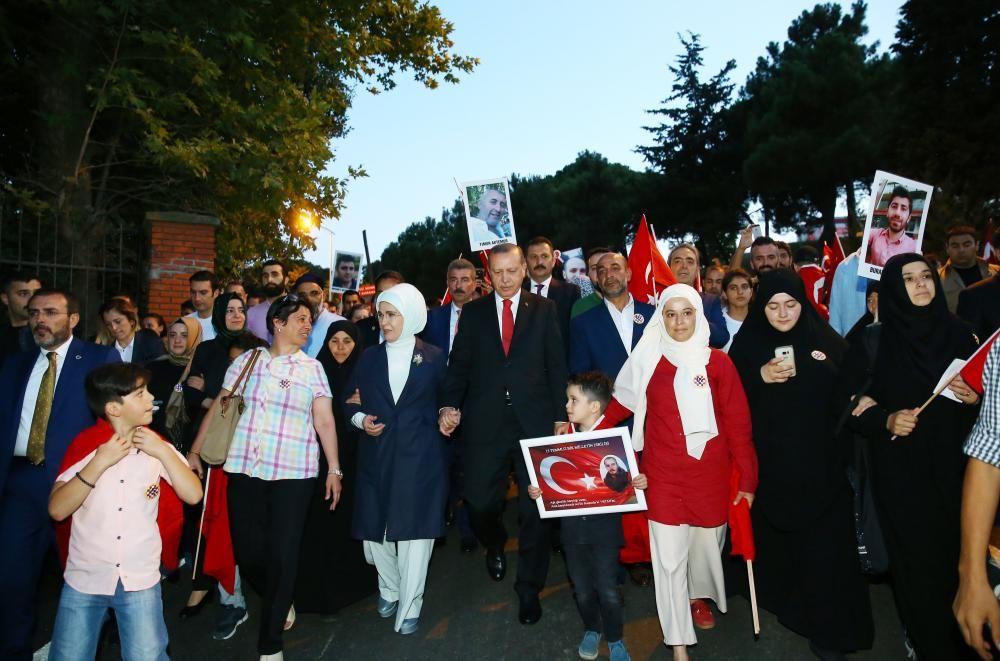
<point>42,409</point>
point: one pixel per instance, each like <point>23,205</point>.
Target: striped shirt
<point>984,440</point>
<point>275,438</point>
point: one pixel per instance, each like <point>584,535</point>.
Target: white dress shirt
<point>456,312</point>
<point>515,300</point>
<point>126,352</point>
<point>31,393</point>
<point>544,284</point>
<point>623,321</point>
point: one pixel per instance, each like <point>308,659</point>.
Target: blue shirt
<point>847,296</point>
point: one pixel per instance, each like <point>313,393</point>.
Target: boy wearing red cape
<point>117,508</point>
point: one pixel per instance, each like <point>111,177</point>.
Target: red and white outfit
<point>691,422</point>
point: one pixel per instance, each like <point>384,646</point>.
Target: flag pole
<point>753,599</point>
<point>201,523</point>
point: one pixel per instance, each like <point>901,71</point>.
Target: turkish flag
<point>650,273</point>
<point>973,370</point>
<point>833,255</point>
<point>740,527</point>
<point>219,562</point>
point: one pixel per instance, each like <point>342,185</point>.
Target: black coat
<point>564,295</point>
<point>980,306</point>
<point>402,474</point>
<point>148,347</point>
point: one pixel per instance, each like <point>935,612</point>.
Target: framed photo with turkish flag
<point>584,473</point>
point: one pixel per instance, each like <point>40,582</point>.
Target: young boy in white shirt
<point>110,484</point>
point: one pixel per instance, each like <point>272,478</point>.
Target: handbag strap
<point>244,374</point>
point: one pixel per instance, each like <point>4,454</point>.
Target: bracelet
<point>80,477</point>
<point>336,471</point>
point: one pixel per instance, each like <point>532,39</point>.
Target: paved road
<point>466,617</point>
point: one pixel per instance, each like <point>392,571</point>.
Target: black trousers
<point>266,520</point>
<point>487,466</point>
<point>593,569</point>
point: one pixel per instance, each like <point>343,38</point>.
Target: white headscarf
<point>408,300</point>
<point>691,388</point>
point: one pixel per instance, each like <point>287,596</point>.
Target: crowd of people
<point>365,428</point>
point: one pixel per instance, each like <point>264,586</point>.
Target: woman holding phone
<point>808,570</point>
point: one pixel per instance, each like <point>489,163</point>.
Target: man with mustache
<point>541,258</point>
<point>893,239</point>
<point>274,282</point>
<point>42,408</point>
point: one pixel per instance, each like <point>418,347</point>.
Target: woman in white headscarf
<point>691,423</point>
<point>402,478</point>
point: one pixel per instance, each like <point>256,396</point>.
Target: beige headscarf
<point>177,417</point>
<point>691,388</point>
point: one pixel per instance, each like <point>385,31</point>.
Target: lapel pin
<point>78,357</point>
<point>638,318</point>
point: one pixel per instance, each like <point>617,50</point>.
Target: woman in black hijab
<point>917,478</point>
<point>333,572</point>
<point>809,574</point>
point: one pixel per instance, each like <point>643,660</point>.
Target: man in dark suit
<point>42,409</point>
<point>541,259</point>
<point>506,381</point>
<point>17,289</point>
<point>598,336</point>
<point>980,306</point>
<point>685,263</point>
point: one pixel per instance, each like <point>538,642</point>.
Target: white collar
<point>515,300</point>
<point>62,350</point>
<point>544,283</point>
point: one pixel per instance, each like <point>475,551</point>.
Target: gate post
<point>180,244</point>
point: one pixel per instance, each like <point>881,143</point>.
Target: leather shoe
<point>496,563</point>
<point>530,609</point>
<point>191,611</point>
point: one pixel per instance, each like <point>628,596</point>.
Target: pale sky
<point>555,78</point>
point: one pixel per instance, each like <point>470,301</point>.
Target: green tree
<point>946,105</point>
<point>114,107</point>
<point>814,116</point>
<point>696,155</point>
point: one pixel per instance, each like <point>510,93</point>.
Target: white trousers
<point>402,572</point>
<point>687,564</point>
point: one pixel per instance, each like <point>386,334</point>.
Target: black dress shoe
<point>191,611</point>
<point>530,610</point>
<point>496,563</point>
<point>469,545</point>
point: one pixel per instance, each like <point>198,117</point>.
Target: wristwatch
<point>336,471</point>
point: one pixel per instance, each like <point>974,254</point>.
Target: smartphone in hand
<point>787,356</point>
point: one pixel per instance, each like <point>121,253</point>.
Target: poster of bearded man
<point>584,473</point>
<point>897,217</point>
<point>488,213</point>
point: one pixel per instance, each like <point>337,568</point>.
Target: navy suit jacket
<point>438,331</point>
<point>980,306</point>
<point>147,347</point>
<point>718,333</point>
<point>564,295</point>
<point>595,343</point>
<point>70,413</point>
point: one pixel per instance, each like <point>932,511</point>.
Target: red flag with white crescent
<point>973,370</point>
<point>650,273</point>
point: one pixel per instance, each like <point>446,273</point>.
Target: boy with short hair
<point>591,542</point>
<point>111,483</point>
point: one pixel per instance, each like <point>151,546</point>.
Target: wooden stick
<point>201,523</point>
<point>753,599</point>
<point>926,404</point>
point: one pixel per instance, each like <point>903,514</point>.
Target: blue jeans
<point>140,624</point>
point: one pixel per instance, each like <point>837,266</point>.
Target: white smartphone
<point>787,356</point>
<point>757,232</point>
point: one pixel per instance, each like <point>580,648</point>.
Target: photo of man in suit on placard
<point>506,381</point>
<point>488,214</point>
<point>42,409</point>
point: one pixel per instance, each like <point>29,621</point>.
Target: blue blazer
<point>147,347</point>
<point>402,477</point>
<point>595,343</point>
<point>70,413</point>
<point>438,331</point>
<point>718,332</point>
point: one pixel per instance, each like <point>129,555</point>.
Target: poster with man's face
<point>584,473</point>
<point>897,217</point>
<point>488,214</point>
<point>346,267</point>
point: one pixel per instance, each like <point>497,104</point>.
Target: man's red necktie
<point>507,327</point>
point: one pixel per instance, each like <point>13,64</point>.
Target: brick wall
<point>181,243</point>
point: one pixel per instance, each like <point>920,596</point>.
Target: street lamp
<point>308,221</point>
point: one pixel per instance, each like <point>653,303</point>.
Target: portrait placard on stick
<point>897,217</point>
<point>488,213</point>
<point>346,267</point>
<point>584,473</point>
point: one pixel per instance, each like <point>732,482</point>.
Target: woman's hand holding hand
<point>773,372</point>
<point>371,427</point>
<point>194,461</point>
<point>902,423</point>
<point>196,382</point>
